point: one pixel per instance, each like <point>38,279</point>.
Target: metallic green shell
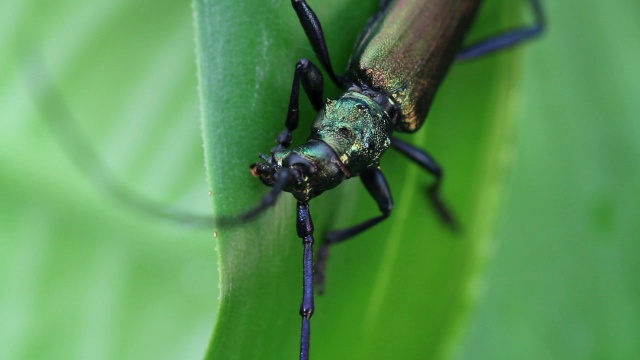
<point>356,128</point>
<point>406,50</point>
<point>349,136</point>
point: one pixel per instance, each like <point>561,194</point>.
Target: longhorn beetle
<point>397,65</point>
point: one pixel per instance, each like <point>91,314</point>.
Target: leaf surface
<point>400,290</point>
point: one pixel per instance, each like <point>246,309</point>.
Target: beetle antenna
<point>282,177</point>
<point>55,112</point>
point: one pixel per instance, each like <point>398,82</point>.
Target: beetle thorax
<point>349,136</point>
<point>356,128</point>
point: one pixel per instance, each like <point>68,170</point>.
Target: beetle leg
<point>384,4</point>
<point>508,38</point>
<point>312,82</point>
<point>313,29</point>
<point>377,186</point>
<point>428,163</point>
<point>305,232</point>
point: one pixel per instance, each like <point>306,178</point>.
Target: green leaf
<point>84,275</point>
<point>401,290</point>
<point>564,280</point>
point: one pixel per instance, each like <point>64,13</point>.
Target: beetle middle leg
<point>428,163</point>
<point>312,82</point>
<point>377,186</point>
<point>305,232</point>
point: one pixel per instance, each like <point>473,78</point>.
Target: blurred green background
<point>85,276</point>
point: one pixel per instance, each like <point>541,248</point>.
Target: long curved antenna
<point>50,103</point>
<point>283,177</point>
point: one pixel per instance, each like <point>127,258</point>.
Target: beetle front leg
<point>376,184</point>
<point>313,84</point>
<point>305,232</point>
<point>428,163</point>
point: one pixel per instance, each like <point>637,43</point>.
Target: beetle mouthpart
<point>254,170</point>
<point>264,171</point>
<point>260,169</point>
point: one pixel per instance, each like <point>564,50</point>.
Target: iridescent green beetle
<point>397,65</point>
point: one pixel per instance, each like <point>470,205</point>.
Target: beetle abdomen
<point>406,51</point>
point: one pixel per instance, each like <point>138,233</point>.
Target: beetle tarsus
<point>304,226</point>
<point>445,214</point>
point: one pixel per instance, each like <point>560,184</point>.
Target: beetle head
<point>311,168</point>
<point>296,167</point>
